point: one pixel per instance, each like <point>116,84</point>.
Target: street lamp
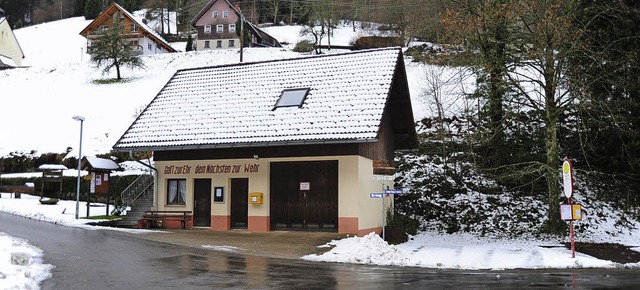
<point>81,119</point>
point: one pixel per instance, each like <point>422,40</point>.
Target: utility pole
<point>241,30</point>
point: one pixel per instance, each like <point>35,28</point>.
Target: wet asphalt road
<point>101,259</point>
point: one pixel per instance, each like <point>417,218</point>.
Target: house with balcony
<point>218,26</point>
<point>141,37</point>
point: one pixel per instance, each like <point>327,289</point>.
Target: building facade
<point>297,144</point>
<point>141,37</point>
<point>218,24</point>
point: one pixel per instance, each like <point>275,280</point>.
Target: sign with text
<point>376,195</point>
<point>393,191</point>
<point>305,185</point>
<point>565,212</point>
<point>212,169</point>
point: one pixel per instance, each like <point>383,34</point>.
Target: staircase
<point>138,198</point>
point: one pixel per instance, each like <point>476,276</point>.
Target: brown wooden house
<point>279,145</point>
<point>217,26</point>
<point>143,39</point>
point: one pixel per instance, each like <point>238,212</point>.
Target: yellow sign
<point>577,211</point>
<point>566,168</point>
<point>255,198</point>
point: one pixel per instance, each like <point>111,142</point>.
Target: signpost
<point>382,195</point>
<point>566,210</point>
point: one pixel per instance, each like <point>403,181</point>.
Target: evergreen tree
<point>92,9</point>
<point>189,46</point>
<point>111,50</point>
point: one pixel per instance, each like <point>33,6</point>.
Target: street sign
<point>393,191</point>
<point>383,177</point>
<point>567,178</point>
<point>376,195</point>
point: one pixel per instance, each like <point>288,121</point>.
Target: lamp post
<point>81,119</point>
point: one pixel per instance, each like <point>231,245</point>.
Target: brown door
<point>294,207</point>
<point>239,202</point>
<point>202,202</point>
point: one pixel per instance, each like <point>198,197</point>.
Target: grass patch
<point>109,81</point>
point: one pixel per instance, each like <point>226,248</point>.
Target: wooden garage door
<point>293,207</point>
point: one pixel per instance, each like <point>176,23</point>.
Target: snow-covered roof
<point>52,167</point>
<point>102,164</point>
<point>233,105</point>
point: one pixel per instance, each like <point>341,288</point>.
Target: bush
<point>366,42</point>
<point>399,227</point>
<point>48,200</point>
<point>304,46</point>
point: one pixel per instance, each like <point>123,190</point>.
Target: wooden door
<point>202,202</point>
<point>292,207</point>
<point>239,202</point>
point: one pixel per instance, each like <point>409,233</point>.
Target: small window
<point>215,14</point>
<point>207,44</point>
<point>219,28</point>
<point>292,98</point>
<point>225,14</point>
<point>219,44</point>
<point>207,29</point>
<point>232,27</point>
<point>149,46</point>
<point>176,191</point>
<point>232,42</point>
<point>134,27</point>
<point>103,27</point>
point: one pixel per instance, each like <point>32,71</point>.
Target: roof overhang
<point>243,145</point>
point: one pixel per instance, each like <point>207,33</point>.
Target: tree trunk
<point>118,70</point>
<point>552,175</point>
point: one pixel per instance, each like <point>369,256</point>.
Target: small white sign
<point>254,199</point>
<point>92,187</point>
<point>98,179</point>
<point>383,177</point>
<point>305,185</point>
<point>565,212</point>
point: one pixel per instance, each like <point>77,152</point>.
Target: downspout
<point>155,190</point>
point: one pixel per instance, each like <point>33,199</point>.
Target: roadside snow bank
<point>29,272</point>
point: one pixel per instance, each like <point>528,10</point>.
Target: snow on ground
<point>27,275</point>
<point>459,251</point>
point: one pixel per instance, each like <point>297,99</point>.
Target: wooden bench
<point>151,217</point>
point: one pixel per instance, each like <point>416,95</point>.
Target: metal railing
<point>136,189</point>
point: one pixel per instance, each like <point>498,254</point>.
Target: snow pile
<point>21,276</point>
<point>458,251</point>
<point>370,249</point>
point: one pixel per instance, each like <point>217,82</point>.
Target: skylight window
<point>292,98</point>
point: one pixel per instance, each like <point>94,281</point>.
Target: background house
<point>11,54</point>
<point>292,144</point>
<point>139,35</point>
<point>217,26</point>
